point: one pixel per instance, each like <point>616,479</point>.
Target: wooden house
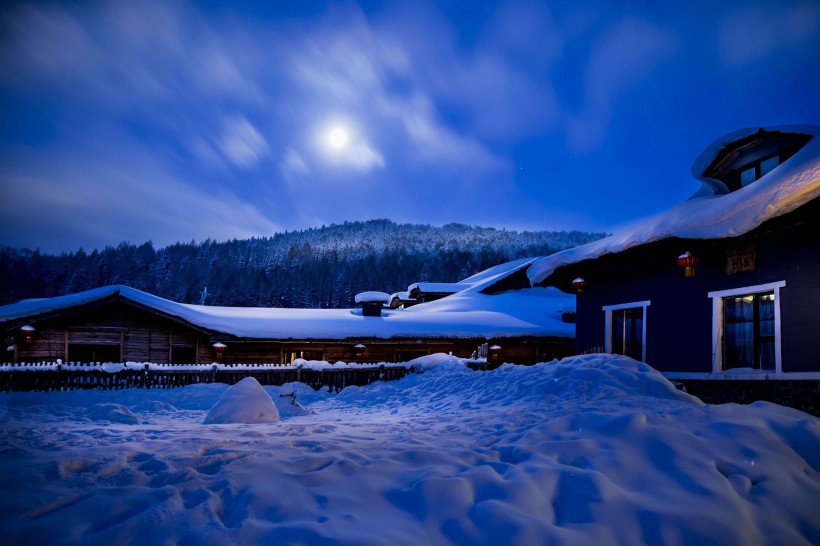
<point>726,285</point>
<point>121,324</point>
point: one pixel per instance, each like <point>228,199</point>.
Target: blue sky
<point>173,121</point>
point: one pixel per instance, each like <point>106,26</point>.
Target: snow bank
<point>245,402</point>
<point>595,449</point>
<point>115,413</point>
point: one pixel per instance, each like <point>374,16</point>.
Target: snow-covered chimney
<point>372,303</point>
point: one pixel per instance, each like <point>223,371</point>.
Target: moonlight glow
<point>338,138</point>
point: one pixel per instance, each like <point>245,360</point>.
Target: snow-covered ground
<point>594,449</point>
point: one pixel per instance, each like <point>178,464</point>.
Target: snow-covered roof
<point>709,214</point>
<point>398,298</point>
<point>484,278</point>
<point>437,287</point>
<point>372,297</point>
<point>529,312</point>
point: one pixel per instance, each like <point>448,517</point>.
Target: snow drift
<point>595,449</point>
<point>245,402</point>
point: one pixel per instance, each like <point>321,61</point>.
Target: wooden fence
<point>60,378</point>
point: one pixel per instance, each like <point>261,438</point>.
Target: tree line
<point>319,267</point>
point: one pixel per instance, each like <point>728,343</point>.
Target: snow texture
<point>709,214</point>
<point>245,402</point>
<point>595,449</point>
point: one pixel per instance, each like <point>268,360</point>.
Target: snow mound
<point>428,362</point>
<point>115,413</point>
<point>245,402</point>
<point>153,406</point>
<point>285,398</point>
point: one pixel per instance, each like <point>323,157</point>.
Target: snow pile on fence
<point>596,449</point>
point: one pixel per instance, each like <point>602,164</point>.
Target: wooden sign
<point>741,260</point>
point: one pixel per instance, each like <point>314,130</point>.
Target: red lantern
<point>219,348</point>
<point>578,285</point>
<point>688,261</point>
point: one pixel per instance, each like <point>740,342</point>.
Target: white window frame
<point>717,321</point>
<point>608,323</point>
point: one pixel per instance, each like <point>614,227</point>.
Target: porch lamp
<point>219,348</point>
<point>578,284</point>
<point>28,332</point>
<point>359,350</point>
<point>689,261</point>
<point>495,350</point>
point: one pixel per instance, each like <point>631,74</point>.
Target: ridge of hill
<point>317,267</point>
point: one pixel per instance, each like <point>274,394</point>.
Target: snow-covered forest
<point>322,267</point>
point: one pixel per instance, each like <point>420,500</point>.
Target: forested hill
<point>323,267</point>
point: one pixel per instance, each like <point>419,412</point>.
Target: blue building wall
<point>679,317</point>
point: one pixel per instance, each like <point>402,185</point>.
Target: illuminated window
<point>746,328</point>
<point>291,356</point>
<point>626,329</point>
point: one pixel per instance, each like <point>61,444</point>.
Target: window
<point>747,176</point>
<point>757,170</point>
<point>626,329</point>
<point>92,352</point>
<point>290,356</point>
<point>768,164</point>
<point>739,163</point>
<point>746,328</point>
<point>183,355</point>
<point>404,356</point>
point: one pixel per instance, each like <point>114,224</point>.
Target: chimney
<point>372,303</point>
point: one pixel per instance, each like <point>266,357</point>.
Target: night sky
<point>170,121</point>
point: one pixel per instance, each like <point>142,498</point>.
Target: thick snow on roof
<point>594,449</point>
<point>531,312</point>
<point>708,215</point>
<point>372,296</point>
<point>485,278</point>
<point>437,287</point>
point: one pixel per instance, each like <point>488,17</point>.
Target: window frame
<point>608,309</point>
<point>718,323</point>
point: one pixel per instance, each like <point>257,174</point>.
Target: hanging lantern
<point>495,350</point>
<point>578,285</point>
<point>359,350</point>
<point>28,332</point>
<point>689,261</point>
<point>219,349</point>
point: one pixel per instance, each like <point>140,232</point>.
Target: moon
<point>338,138</point>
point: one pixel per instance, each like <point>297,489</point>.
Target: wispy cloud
<point>625,54</point>
<point>437,102</point>
<point>293,166</point>
<point>71,202</point>
<point>242,143</point>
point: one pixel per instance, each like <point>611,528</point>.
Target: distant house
<point>724,285</point>
<point>120,324</point>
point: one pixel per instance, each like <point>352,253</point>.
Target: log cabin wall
<point>113,331</point>
<point>118,331</point>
